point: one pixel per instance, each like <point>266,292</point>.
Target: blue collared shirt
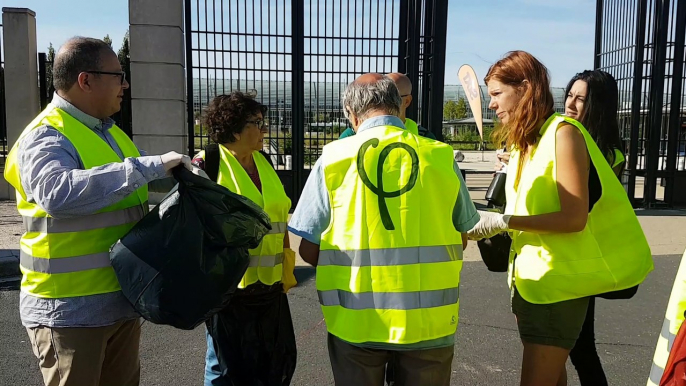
<point>53,176</point>
<point>313,215</point>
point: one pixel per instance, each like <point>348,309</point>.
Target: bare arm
<point>309,252</point>
<point>573,166</point>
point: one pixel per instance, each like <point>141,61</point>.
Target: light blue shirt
<point>53,176</point>
<point>313,215</point>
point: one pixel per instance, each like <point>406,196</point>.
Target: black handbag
<point>495,251</point>
<point>626,293</point>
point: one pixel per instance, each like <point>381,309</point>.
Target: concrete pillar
<point>158,77</point>
<point>22,102</point>
<point>21,70</point>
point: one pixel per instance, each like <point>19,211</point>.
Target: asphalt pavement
<point>487,352</point>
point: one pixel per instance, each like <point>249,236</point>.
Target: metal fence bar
<point>190,99</point>
<point>676,103</point>
<point>434,121</point>
<point>42,80</point>
<point>3,120</point>
<point>637,97</point>
<point>656,98</point>
<point>598,36</point>
<point>297,94</point>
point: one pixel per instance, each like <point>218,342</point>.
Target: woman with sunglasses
<point>252,340</point>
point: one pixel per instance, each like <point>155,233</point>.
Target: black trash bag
<point>495,252</point>
<point>180,264</point>
<point>254,339</point>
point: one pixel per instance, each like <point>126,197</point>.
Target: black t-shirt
<point>594,188</point>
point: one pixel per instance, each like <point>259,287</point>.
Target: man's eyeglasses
<point>120,74</point>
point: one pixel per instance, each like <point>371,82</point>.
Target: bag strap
<point>212,161</point>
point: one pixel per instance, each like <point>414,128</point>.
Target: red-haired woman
<point>565,248</point>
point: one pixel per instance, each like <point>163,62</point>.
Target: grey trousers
<point>359,366</point>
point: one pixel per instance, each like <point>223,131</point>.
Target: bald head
<point>369,78</point>
<point>370,95</point>
<point>402,82</point>
<point>405,88</point>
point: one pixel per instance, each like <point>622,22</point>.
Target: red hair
<point>520,69</point>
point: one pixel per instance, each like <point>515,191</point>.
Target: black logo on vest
<point>378,189</point>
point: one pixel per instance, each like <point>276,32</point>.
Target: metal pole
<point>402,36</point>
<point>675,102</point>
<point>435,121</point>
<point>42,82</point>
<point>190,101</point>
<point>598,33</point>
<point>426,57</point>
<point>413,34</point>
<point>637,97</point>
<point>656,100</point>
<point>298,96</point>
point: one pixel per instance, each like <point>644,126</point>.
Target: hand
<point>174,159</point>
<point>504,157</point>
<point>199,172</point>
<point>490,224</point>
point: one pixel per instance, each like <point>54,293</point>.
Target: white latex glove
<point>173,159</point>
<point>490,224</point>
<point>199,172</point>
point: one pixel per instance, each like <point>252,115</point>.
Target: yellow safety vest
<point>411,126</point>
<point>266,261</point>
<point>68,257</point>
<point>611,253</point>
<point>674,317</point>
<point>390,260</point>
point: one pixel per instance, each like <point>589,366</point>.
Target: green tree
<point>107,40</point>
<point>124,50</point>
<point>461,109</point>
<point>48,69</point>
<point>450,110</point>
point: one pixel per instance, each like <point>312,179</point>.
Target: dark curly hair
<point>226,115</point>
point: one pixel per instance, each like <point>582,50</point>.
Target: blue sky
<point>559,32</point>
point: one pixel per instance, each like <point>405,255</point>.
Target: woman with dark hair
<point>566,246</point>
<point>592,99</point>
<point>251,341</point>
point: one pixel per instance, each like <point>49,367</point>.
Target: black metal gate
<point>641,42</point>
<point>298,56</point>
<point>3,121</point>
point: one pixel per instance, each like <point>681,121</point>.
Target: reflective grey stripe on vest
<point>278,227</point>
<point>656,371</point>
<point>656,374</point>
<point>665,333</point>
<point>391,256</point>
<point>65,264</point>
<point>266,261</point>
<point>389,300</point>
<point>84,223</point>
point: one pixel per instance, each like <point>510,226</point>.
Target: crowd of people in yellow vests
<point>373,221</point>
